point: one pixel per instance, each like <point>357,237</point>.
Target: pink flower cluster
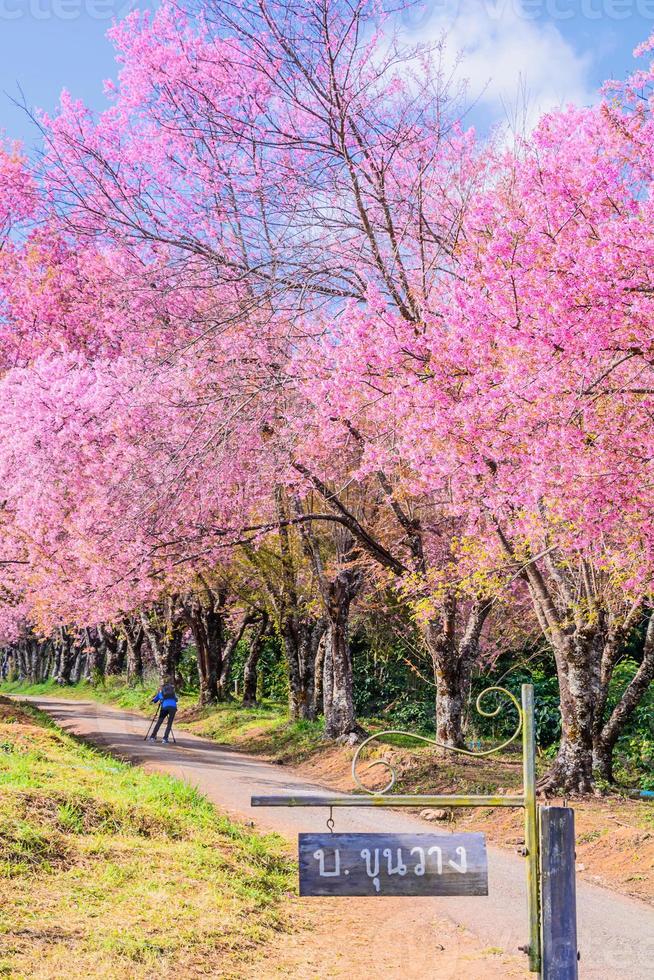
<point>243,271</point>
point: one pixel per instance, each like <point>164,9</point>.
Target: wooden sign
<point>393,864</point>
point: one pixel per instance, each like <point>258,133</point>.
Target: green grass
<point>107,870</point>
<point>265,730</point>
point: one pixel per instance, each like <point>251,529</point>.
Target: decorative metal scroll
<point>432,741</point>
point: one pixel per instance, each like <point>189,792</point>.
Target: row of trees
<point>283,342</point>
<point>152,642</point>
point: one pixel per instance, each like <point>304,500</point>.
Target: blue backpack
<point>168,693</point>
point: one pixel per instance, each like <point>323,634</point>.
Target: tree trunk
<point>337,592</point>
<point>603,759</point>
<point>587,740</point>
<point>296,627</point>
<point>578,668</point>
<point>164,636</point>
<point>586,638</point>
<point>134,636</point>
<point>214,630</point>
<point>207,625</point>
<point>33,647</point>
<point>208,689</point>
<point>319,675</point>
<point>79,663</point>
<point>606,738</point>
<point>224,692</point>
<point>300,636</point>
<point>251,663</point>
<point>452,662</point>
<point>20,662</point>
<point>45,661</point>
<point>205,614</point>
<point>116,658</point>
<point>452,689</point>
<point>114,649</point>
<point>66,659</point>
<point>95,659</point>
<point>338,696</point>
<point>578,632</point>
<point>56,666</point>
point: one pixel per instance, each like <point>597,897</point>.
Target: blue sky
<point>48,45</point>
<point>553,50</point>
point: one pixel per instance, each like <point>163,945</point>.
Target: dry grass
<point>108,871</point>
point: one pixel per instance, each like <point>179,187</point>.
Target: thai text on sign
<point>393,864</point>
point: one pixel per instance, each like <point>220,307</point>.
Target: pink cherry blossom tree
<point>276,302</point>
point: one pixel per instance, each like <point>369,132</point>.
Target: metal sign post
<point>531,826</point>
<point>381,798</point>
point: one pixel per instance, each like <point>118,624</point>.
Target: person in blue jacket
<point>167,698</point>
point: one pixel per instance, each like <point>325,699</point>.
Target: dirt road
<point>395,938</point>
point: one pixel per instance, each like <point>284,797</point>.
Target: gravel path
<point>397,937</point>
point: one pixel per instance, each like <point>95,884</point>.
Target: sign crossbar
<point>388,801</point>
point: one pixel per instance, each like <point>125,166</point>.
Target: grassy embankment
<point>109,871</point>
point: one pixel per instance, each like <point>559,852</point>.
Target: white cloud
<point>517,67</point>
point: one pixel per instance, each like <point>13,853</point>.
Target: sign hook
<point>330,821</point>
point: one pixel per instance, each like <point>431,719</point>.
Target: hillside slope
<point>109,871</point>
